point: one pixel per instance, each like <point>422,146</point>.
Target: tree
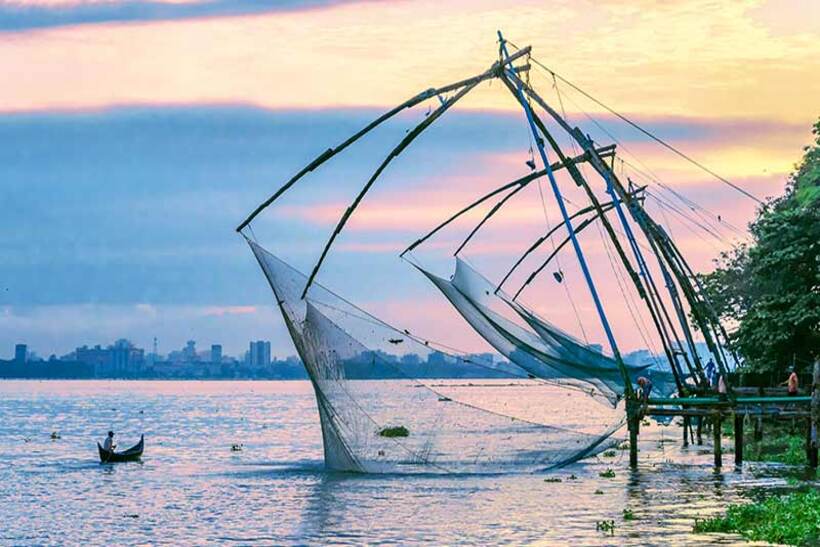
<point>769,290</point>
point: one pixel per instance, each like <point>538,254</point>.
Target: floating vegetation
<point>610,454</point>
<point>573,477</point>
<point>792,519</point>
<point>608,474</point>
<point>444,399</point>
<point>628,514</point>
<point>553,479</point>
<point>55,436</point>
<point>237,447</point>
<point>398,431</point>
<point>605,526</point>
<point>599,492</point>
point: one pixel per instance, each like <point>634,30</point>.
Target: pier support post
<point>686,426</point>
<point>716,436</point>
<point>815,416</point>
<point>699,431</point>
<point>738,440</point>
<point>633,423</point>
<point>758,436</point>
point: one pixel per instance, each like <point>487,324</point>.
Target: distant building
<point>20,353</point>
<point>259,354</point>
<point>121,359</point>
<point>189,352</point>
<point>216,353</point>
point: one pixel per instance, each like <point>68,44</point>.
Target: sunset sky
<point>135,136</point>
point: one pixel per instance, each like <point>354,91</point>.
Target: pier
<point>757,403</point>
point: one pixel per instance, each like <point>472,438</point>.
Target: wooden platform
<point>772,403</point>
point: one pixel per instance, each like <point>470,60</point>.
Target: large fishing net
<point>382,408</point>
<point>543,350</point>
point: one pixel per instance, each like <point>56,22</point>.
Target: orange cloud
<point>715,59</point>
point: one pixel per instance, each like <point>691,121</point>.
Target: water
<point>192,489</point>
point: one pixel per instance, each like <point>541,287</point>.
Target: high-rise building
<point>189,351</point>
<point>259,354</point>
<point>216,353</point>
<point>20,352</point>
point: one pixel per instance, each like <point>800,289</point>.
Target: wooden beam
<point>714,401</point>
<point>716,439</point>
<point>738,440</point>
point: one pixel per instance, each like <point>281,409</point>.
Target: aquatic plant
<point>605,526</point>
<point>610,454</point>
<point>792,519</point>
<point>598,492</point>
<point>553,479</point>
<point>628,514</point>
<point>771,449</point>
<point>608,474</point>
<point>397,431</point>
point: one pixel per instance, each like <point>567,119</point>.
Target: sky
<point>135,135</point>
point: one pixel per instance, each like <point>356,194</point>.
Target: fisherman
<point>793,383</point>
<point>646,387</point>
<point>108,443</point>
<point>710,374</point>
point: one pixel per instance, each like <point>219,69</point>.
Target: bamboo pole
<point>580,181</point>
<point>409,103</point>
<point>405,142</point>
<point>517,184</point>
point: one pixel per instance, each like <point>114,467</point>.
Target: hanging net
<point>545,351</point>
<point>382,408</point>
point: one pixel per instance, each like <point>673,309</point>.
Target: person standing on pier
<point>711,377</point>
<point>645,385</point>
<point>793,383</point>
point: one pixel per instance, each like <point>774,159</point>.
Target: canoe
<point>132,454</point>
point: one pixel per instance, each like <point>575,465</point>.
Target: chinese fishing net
<point>382,409</point>
<point>543,350</point>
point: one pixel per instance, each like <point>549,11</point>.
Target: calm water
<point>192,489</point>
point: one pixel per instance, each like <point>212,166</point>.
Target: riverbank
<point>790,518</point>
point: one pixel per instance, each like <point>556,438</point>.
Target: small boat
<point>132,454</point>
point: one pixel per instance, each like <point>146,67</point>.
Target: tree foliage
<point>770,289</point>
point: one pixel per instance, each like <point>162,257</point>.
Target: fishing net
<point>382,408</point>
<point>545,351</point>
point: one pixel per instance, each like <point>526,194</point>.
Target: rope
<point>644,131</point>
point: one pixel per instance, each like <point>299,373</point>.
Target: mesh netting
<point>545,351</point>
<point>383,410</point>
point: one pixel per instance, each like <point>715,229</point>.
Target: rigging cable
<point>650,176</point>
<point>645,131</point>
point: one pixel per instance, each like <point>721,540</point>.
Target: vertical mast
<point>508,67</point>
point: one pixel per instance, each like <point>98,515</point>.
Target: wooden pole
<point>738,440</point>
<point>633,423</point>
<point>815,415</point>
<point>699,431</point>
<point>686,426</point>
<point>716,436</point>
